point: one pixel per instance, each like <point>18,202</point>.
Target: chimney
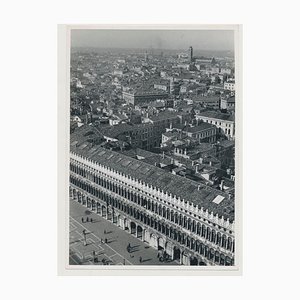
<point>163,154</point>
<point>197,168</point>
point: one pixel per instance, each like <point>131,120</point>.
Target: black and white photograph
<point>152,163</point>
<point>149,149</point>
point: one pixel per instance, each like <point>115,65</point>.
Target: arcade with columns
<point>197,238</point>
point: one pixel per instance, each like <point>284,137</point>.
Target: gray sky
<point>157,39</point>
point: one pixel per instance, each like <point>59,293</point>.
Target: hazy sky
<point>157,39</point>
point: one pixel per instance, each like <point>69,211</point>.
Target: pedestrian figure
<point>91,220</point>
<point>104,231</point>
<point>158,255</point>
<point>82,220</point>
<point>87,219</point>
<point>124,262</point>
<point>141,259</point>
<point>105,241</point>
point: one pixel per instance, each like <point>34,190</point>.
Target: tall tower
<point>191,54</point>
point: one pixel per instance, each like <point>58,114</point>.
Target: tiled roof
<point>197,193</point>
<point>164,115</point>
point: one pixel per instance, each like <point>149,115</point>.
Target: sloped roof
<point>176,185</point>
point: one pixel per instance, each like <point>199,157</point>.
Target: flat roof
<point>200,127</point>
<point>216,115</point>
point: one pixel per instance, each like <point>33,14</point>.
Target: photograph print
<point>152,148</point>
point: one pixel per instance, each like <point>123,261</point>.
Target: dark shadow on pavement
<point>148,259</point>
<point>134,250</point>
<point>110,241</point>
<point>73,242</point>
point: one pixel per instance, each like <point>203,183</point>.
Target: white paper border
<point>63,161</point>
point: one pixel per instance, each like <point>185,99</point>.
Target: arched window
<point>172,216</point>
<point>185,222</point>
<point>208,234</point>
<point>164,211</point>
<point>203,231</point>
<point>198,228</point>
<point>213,236</point>
<point>224,240</point>
<point>168,214</point>
<point>229,244</point>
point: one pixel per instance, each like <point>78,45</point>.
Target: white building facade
<point>182,230</point>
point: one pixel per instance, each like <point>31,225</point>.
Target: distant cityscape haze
<point>215,40</point>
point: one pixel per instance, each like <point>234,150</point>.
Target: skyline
<point>207,40</point>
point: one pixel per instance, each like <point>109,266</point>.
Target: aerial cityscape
<point>152,152</point>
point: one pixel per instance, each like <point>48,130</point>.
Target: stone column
<point>112,216</point>
<point>188,260</point>
<point>122,223</point>
<point>106,217</point>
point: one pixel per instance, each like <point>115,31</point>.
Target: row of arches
<point>158,225</point>
<point>204,231</point>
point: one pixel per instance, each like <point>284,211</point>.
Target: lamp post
<point>84,237</point>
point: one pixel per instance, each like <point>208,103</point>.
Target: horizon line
<point>161,49</point>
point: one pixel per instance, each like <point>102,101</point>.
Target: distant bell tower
<point>191,54</point>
